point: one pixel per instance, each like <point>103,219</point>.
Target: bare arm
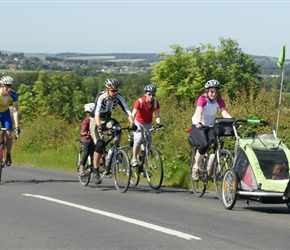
<point>98,120</point>
<point>131,119</point>
<point>199,111</point>
<point>16,115</point>
<point>134,112</point>
<point>225,113</point>
<point>157,116</point>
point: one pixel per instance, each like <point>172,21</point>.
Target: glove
<point>133,127</point>
<point>159,125</point>
<point>17,131</point>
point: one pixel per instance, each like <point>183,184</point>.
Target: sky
<point>148,26</point>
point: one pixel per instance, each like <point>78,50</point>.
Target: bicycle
<point>2,150</point>
<point>118,162</point>
<point>221,158</point>
<point>150,162</point>
<point>85,179</point>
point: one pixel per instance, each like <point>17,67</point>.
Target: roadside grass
<point>50,142</point>
<point>50,159</point>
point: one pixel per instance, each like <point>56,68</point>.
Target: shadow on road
<point>33,181</point>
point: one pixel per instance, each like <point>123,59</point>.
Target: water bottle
<point>210,163</point>
<point>109,156</point>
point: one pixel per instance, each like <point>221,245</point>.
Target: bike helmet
<point>6,80</point>
<point>150,88</point>
<point>212,84</point>
<point>89,107</point>
<point>112,83</point>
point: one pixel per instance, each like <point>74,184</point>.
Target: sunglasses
<point>213,91</point>
<point>8,86</point>
<point>114,90</point>
<point>151,95</point>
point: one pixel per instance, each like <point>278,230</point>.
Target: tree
<point>184,72</point>
<point>55,94</point>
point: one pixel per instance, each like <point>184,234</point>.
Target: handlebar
<point>9,129</point>
<point>253,121</point>
<point>151,129</point>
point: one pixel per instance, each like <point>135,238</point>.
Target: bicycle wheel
<point>154,168</point>
<point>226,161</point>
<point>229,188</point>
<point>135,176</point>
<point>198,186</point>
<point>121,170</point>
<point>83,179</point>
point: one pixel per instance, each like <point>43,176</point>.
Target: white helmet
<point>89,107</point>
<point>213,84</point>
<point>150,88</point>
<point>6,80</point>
<point>112,83</point>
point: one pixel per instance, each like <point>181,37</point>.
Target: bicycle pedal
<point>107,174</point>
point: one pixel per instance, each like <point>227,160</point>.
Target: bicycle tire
<point>121,170</point>
<point>83,179</point>
<point>154,168</point>
<point>229,188</point>
<point>198,186</point>
<point>135,176</point>
<point>226,161</point>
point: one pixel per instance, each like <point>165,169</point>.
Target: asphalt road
<point>48,209</point>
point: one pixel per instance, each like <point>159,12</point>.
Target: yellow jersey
<point>7,100</point>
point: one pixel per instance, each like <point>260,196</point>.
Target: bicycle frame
<point>2,150</point>
<point>150,164</point>
<point>119,162</point>
<point>222,160</point>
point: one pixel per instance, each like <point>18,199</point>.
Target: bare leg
<point>9,141</point>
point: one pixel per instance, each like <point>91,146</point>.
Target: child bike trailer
<point>261,168</point>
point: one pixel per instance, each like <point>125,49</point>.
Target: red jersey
<point>86,129</point>
<point>145,114</point>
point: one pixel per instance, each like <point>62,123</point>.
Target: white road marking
<point>119,217</point>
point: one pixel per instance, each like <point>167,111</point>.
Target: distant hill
<point>268,64</point>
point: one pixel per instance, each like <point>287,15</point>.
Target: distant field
<point>90,58</point>
<point>106,58</point>
<point>126,60</point>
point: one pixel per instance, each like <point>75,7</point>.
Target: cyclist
<point>106,102</point>
<point>87,140</point>
<point>143,111</point>
<point>8,98</point>
<point>206,109</point>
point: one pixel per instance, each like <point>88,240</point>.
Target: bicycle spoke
<point>198,185</point>
<point>226,161</point>
<point>121,171</point>
<point>85,178</point>
<point>154,168</point>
